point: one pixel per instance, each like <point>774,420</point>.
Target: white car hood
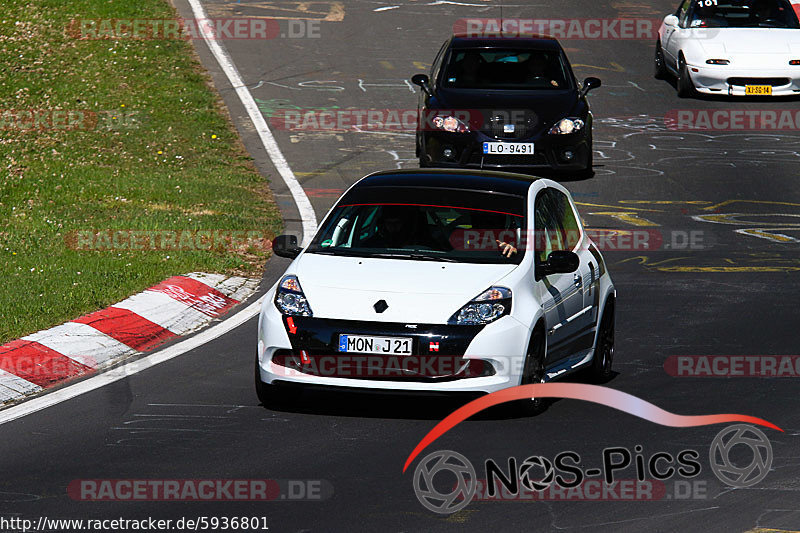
<point>417,292</point>
<point>729,43</point>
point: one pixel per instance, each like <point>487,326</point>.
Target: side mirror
<point>558,262</point>
<point>423,81</point>
<point>286,246</point>
<point>590,84</point>
<point>671,21</point>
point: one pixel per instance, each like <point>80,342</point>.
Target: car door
<point>560,294</point>
<point>587,277</point>
<point>671,42</point>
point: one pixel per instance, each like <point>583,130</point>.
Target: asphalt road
<point>734,292</point>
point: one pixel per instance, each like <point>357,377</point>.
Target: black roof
<point>479,181</point>
<point>537,42</point>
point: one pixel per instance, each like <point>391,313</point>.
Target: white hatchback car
<point>732,47</point>
<point>439,280</point>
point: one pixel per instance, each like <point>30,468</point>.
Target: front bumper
<point>467,151</point>
<point>730,81</point>
<point>479,359</point>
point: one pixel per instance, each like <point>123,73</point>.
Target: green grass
<point>178,166</point>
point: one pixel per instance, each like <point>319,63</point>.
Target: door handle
<point>578,280</point>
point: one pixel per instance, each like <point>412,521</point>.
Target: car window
<point>547,235</point>
<point>683,12</point>
<point>437,63</point>
<point>419,231</point>
<point>743,14</point>
<point>568,222</point>
<point>556,225</point>
<point>505,69</point>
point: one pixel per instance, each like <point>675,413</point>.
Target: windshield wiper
<point>415,257</point>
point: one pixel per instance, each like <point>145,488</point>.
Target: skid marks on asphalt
<point>182,425</point>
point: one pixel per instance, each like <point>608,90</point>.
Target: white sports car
<point>732,47</point>
<point>429,280</point>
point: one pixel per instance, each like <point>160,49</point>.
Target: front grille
<point>775,82</point>
<point>383,368</point>
<point>523,121</point>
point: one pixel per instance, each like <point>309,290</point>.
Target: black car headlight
<point>451,124</point>
<point>565,126</point>
<point>485,309</point>
<point>289,298</point>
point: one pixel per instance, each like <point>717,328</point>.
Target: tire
<point>685,85</point>
<point>604,349</point>
<point>534,372</point>
<point>660,67</point>
<point>588,172</point>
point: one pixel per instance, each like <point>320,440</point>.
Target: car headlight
<point>486,308</point>
<point>718,61</point>
<point>565,126</point>
<point>289,298</point>
<point>451,124</point>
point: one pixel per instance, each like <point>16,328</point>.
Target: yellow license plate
<point>758,90</point>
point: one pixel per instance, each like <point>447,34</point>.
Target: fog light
<point>449,153</point>
<point>567,155</point>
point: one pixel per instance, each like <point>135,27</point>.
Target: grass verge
<point>147,147</point>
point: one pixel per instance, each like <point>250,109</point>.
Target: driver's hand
<point>506,249</point>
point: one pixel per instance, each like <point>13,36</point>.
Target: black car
<point>504,103</point>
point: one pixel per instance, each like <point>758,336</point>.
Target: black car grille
<point>775,82</point>
<point>524,124</point>
<point>437,351</point>
<point>424,369</point>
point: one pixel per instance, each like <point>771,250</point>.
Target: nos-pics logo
<point>446,482</point>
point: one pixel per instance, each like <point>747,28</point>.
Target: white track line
<point>134,367</point>
<point>307,216</point>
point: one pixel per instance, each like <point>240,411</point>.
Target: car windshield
<point>505,69</point>
<point>419,232</point>
<point>743,14</point>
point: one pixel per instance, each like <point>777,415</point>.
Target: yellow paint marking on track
<point>777,237</point>
<point>723,218</point>
<point>386,64</point>
<point>620,207</point>
<point>645,261</point>
<point>729,202</point>
<point>664,202</point>
<point>421,65</point>
<point>629,218</point>
<point>615,67</point>
<point>461,517</point>
<point>724,269</point>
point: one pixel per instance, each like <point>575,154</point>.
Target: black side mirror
<point>589,84</point>
<point>423,81</point>
<point>286,246</point>
<point>558,262</point>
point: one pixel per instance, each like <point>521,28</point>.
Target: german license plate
<point>758,90</point>
<point>508,148</point>
<point>375,345</point>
